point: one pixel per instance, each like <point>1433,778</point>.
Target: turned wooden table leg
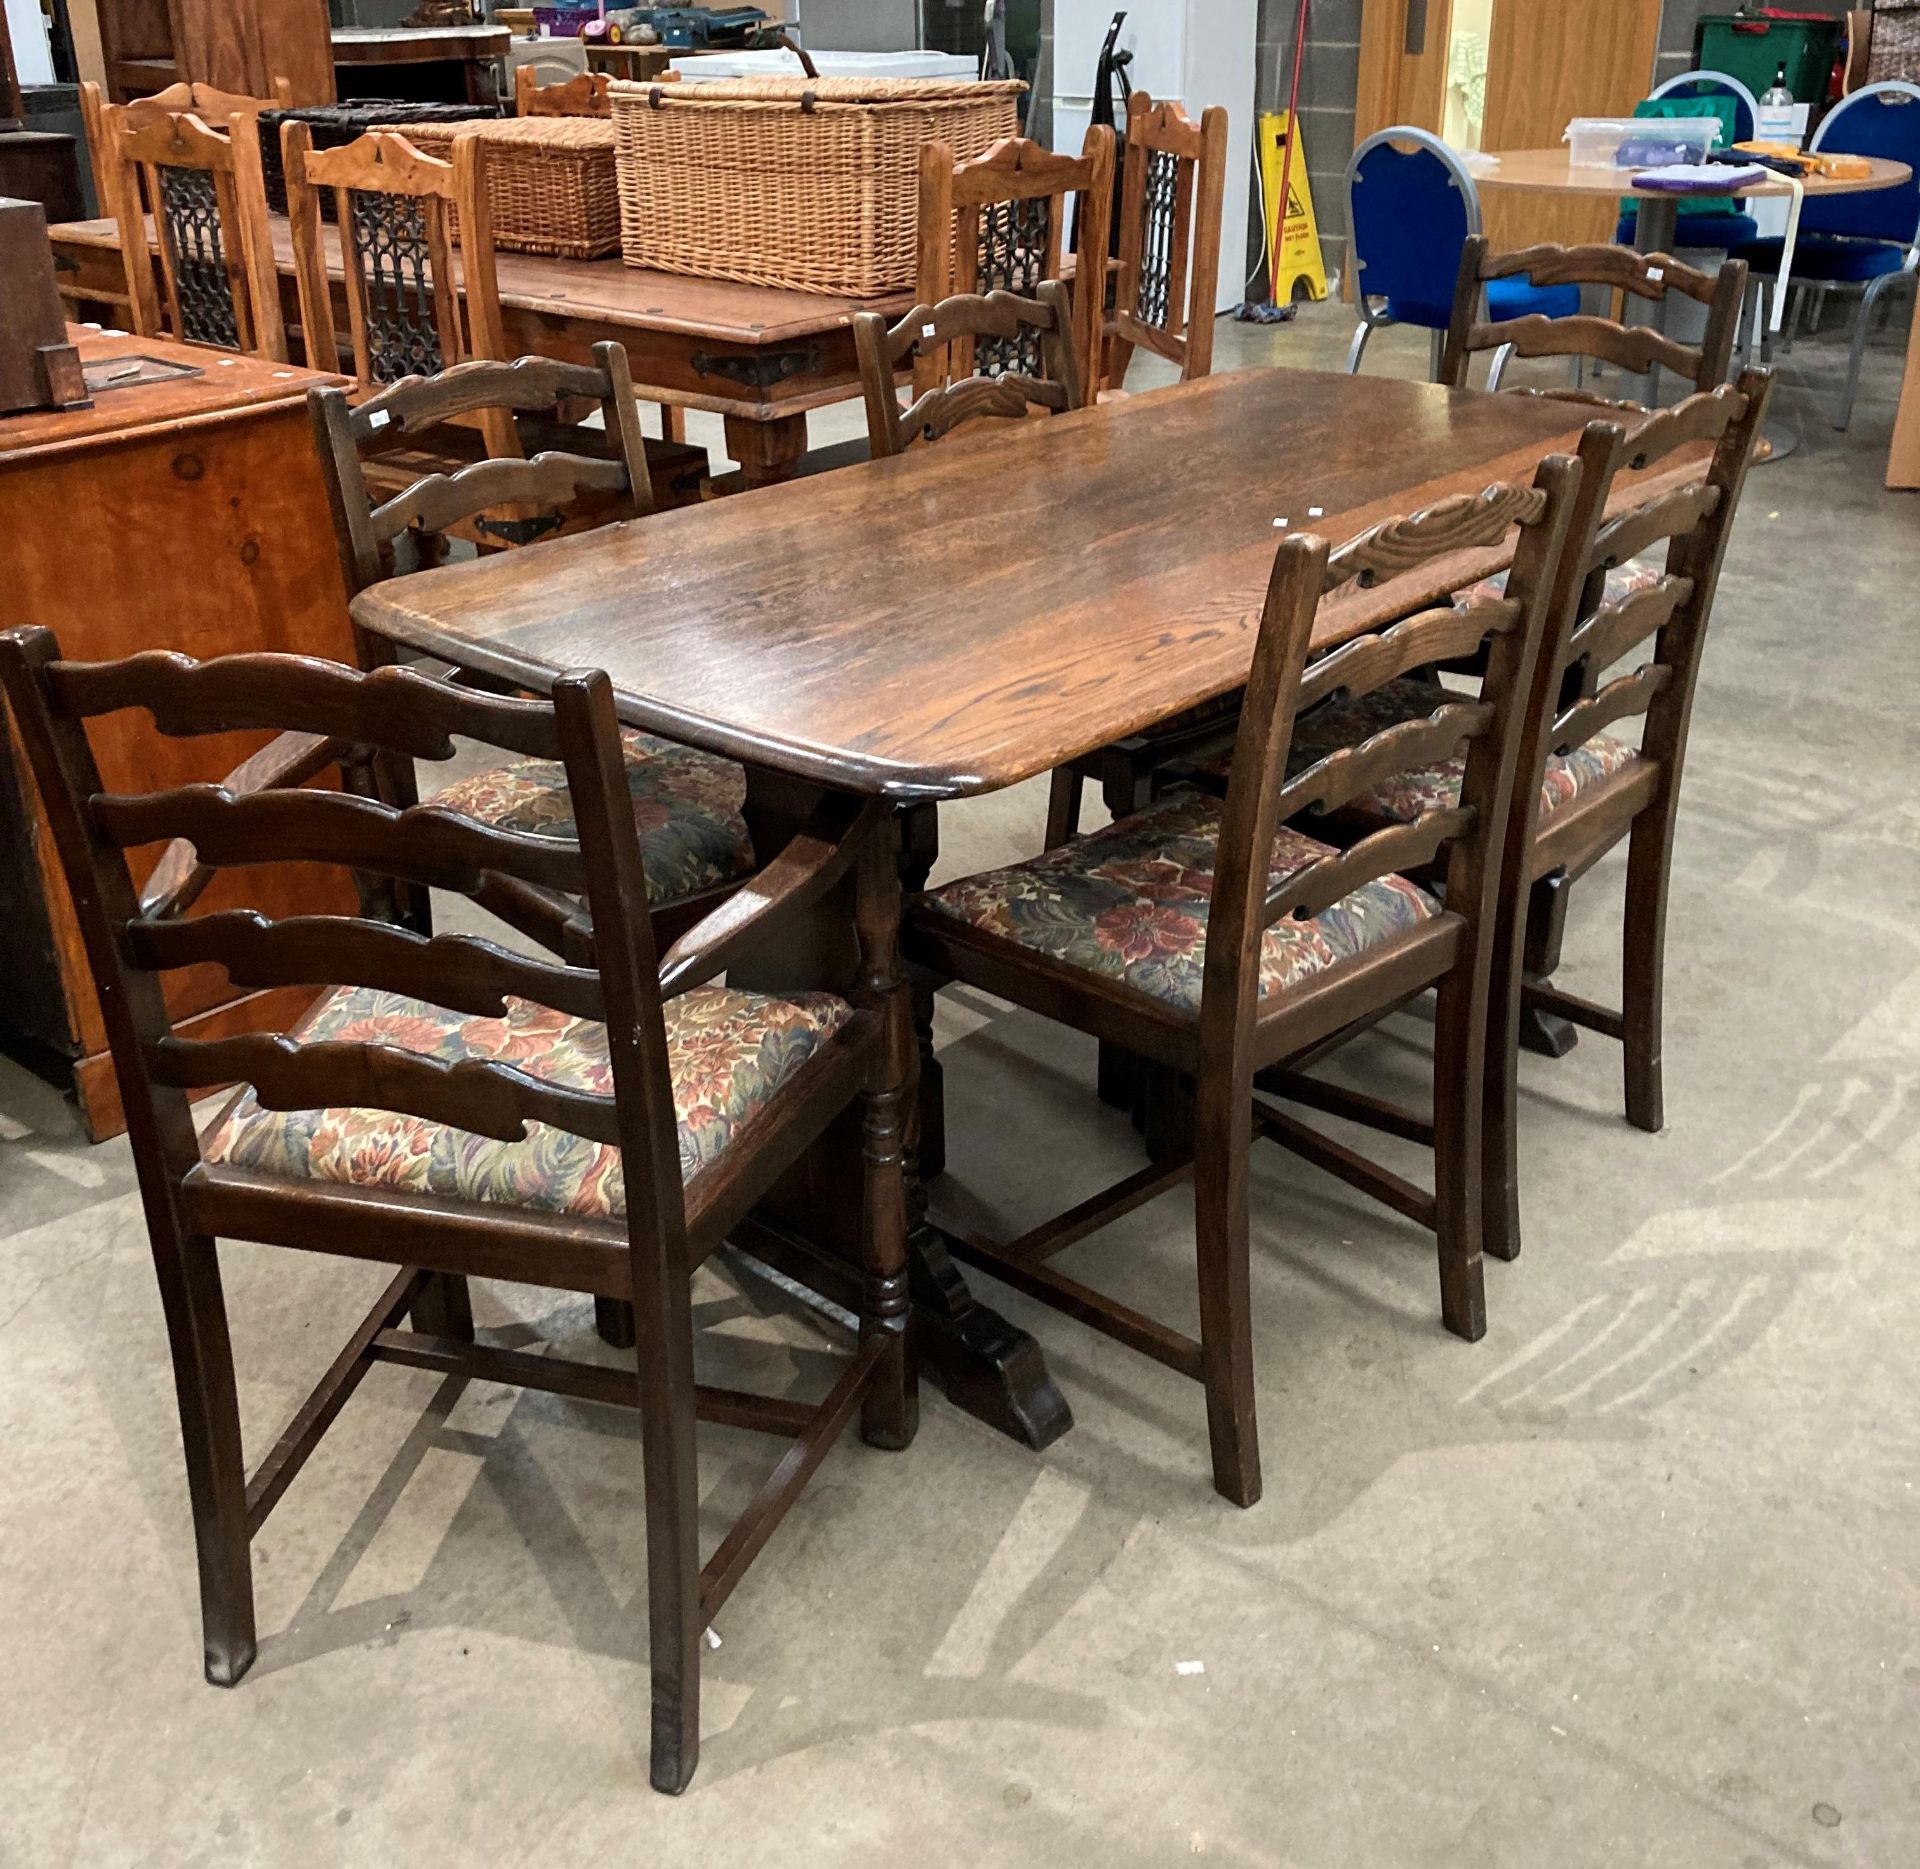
<point>768,452</point>
<point>809,1230</point>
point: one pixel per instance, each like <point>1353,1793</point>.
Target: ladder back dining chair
<point>695,849</point>
<point>1045,321</point>
<point>1171,191</point>
<point>1207,937</point>
<point>453,1109</point>
<point>997,223</point>
<point>1477,324</point>
<point>203,188</point>
<point>1616,654</point>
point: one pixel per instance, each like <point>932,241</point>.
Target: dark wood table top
<point>604,291</point>
<point>962,617</point>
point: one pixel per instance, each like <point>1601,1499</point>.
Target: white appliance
<point>1199,52</point>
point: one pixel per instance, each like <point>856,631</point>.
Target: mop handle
<point>1286,161</point>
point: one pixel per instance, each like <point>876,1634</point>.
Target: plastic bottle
<point>1778,94</point>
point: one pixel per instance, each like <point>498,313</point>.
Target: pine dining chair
<point>997,223</point>
<point>1171,189</point>
<point>203,189</point>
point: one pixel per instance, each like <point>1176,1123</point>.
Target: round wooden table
<point>1552,172</point>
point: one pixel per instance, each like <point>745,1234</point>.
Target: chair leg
<point>1063,806</point>
<point>1459,1058</point>
<point>1436,350</point>
<point>1500,1105</point>
<point>1115,1075</point>
<point>663,1307</point>
<point>1857,353</point>
<point>196,1314</point>
<point>1643,971</point>
<point>1543,1033</point>
<point>1497,369</point>
<point>1358,349</point>
<point>1224,1141</point>
<point>444,1308</point>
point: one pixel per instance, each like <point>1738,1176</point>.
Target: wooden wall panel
<point>1549,61</point>
<point>243,45</point>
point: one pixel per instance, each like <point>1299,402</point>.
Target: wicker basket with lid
<point>808,183</point>
<point>550,181</point>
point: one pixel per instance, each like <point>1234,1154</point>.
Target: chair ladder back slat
<point>422,844</point>
<point>1352,771</point>
<point>461,972</point>
<point>1649,277</point>
<point>1619,700</point>
<point>393,708</point>
<point>478,1095</point>
<point>1316,888</point>
<point>1668,516</point>
<point>1044,322</point>
<point>1371,661</point>
<point>531,494</point>
<point>1615,629</point>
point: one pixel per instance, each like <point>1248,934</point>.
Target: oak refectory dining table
<point>760,357</point>
<point>955,620</point>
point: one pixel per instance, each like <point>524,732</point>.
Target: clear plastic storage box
<point>1640,142</point>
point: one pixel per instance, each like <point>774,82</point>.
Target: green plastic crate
<point>1753,50</point>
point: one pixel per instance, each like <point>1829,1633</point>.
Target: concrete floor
<point>1635,1580</point>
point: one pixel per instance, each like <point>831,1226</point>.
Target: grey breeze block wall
<point>1329,83</point>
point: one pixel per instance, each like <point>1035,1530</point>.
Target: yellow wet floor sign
<point>1296,238</point>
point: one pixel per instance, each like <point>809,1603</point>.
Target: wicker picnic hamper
<point>809,183</point>
<point>1894,50</point>
<point>551,181</point>
<point>336,125</point>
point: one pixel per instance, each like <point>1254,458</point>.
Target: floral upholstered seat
<point>1405,795</point>
<point>687,803</point>
<point>1130,903</point>
<point>728,1053</point>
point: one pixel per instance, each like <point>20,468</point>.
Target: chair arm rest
<point>180,877</point>
<point>818,856</point>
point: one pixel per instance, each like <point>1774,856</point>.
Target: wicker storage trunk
<point>336,125</point>
<point>809,183</point>
<point>551,181</point>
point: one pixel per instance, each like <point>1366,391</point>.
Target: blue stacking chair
<point>1725,230</point>
<point>1411,204</point>
<point>1861,245</point>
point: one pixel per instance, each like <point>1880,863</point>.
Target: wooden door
<point>1403,65</point>
<point>1549,61</point>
